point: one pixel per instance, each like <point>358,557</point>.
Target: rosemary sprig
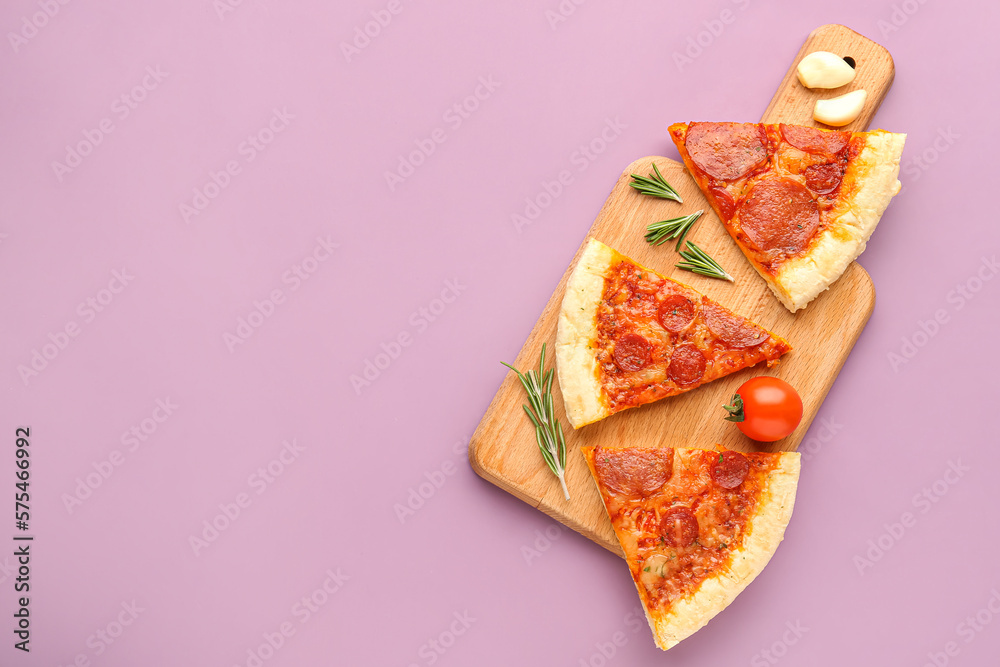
<point>698,261</point>
<point>548,432</point>
<point>655,186</point>
<point>659,232</point>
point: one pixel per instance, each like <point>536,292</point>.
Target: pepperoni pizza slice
<point>627,336</point>
<point>800,202</point>
<point>696,526</point>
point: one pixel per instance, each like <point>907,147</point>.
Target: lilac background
<point>538,595</point>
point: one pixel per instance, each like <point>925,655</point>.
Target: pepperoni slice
<point>676,313</point>
<point>730,469</point>
<point>632,352</point>
<point>779,214</point>
<point>815,141</point>
<point>637,472</point>
<point>824,178</point>
<point>723,202</point>
<point>687,364</point>
<point>679,527</point>
<point>732,330</point>
<point>726,151</point>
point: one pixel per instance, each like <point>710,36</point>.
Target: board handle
<point>793,103</point>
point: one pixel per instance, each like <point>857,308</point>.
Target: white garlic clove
<point>822,69</point>
<point>840,111</point>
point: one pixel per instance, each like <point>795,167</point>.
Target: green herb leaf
<point>655,185</point>
<point>548,431</point>
<point>659,232</point>
<point>698,261</point>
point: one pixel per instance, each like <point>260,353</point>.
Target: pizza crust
<point>873,179</point>
<point>766,530</point>
<point>576,331</point>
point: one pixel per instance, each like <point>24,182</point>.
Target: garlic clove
<point>839,111</point>
<point>822,69</point>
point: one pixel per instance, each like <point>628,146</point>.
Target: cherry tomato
<point>766,409</point>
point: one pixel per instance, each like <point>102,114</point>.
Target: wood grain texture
<point>503,449</point>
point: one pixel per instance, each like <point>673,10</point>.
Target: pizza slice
<point>696,526</point>
<point>627,336</point>
<point>800,202</point>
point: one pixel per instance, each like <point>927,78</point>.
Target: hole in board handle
<point>850,61</point>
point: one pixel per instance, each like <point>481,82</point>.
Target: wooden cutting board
<point>503,449</point>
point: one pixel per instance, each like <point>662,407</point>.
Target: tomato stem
<point>735,410</point>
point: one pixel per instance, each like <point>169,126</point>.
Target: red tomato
<point>766,409</point>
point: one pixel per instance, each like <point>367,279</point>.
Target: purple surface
<point>472,576</point>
